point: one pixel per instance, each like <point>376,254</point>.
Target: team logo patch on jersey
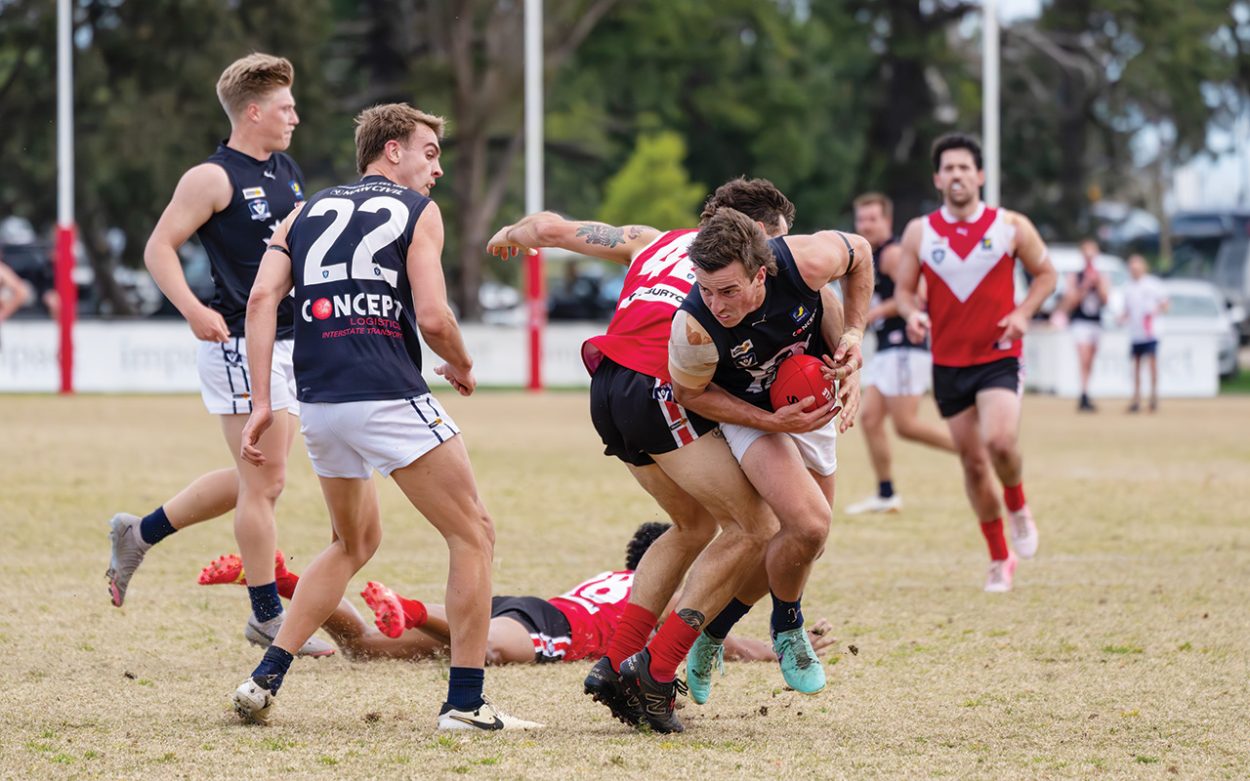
<point>299,191</point>
<point>741,349</point>
<point>986,243</point>
<point>260,209</point>
<point>937,255</point>
<point>253,192</point>
<point>799,313</point>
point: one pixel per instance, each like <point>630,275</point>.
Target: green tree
<point>653,187</point>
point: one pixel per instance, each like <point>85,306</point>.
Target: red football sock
<point>631,634</point>
<point>1013,495</point>
<point>993,531</point>
<point>415,614</point>
<point>286,581</point>
<point>670,646</point>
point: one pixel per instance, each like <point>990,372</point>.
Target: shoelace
<point>711,655</point>
<point>679,687</point>
<point>802,659</point>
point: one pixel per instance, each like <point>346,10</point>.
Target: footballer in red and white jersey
<point>593,609</point>
<point>659,279</point>
<point>969,268</point>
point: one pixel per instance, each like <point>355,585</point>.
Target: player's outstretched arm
<point>13,292</point>
<point>547,229</point>
<point>429,294</point>
<point>203,191</point>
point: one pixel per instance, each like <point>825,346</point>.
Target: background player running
<point>899,372</point>
<point>967,252</point>
<point>233,201</point>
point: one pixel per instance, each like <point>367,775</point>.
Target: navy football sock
<point>266,603</point>
<point>272,668</point>
<point>718,628</point>
<point>155,526</point>
<point>885,489</point>
<point>786,615</point>
<point>464,688</point>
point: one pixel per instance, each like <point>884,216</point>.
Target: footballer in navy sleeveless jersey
<point>355,331</point>
<point>786,324</point>
<point>262,194</point>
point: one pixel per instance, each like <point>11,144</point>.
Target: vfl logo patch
<point>232,357</point>
<point>253,192</point>
<point>662,392</point>
<point>260,209</point>
<point>299,191</point>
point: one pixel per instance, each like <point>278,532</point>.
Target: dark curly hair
<point>644,535</point>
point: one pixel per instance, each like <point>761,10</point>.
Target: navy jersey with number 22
<point>355,331</point>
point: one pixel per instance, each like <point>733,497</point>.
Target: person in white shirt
<point>1144,300</point>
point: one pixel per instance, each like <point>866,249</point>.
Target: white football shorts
<point>348,439</point>
<point>1085,331</point>
<point>819,448</point>
<point>899,371</point>
<point>224,382</point>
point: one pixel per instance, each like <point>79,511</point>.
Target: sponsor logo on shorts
<point>677,424</point>
<point>436,423</point>
<point>242,396</point>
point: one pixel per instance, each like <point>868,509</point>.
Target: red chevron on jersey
<point>658,280</point>
<point>969,267</point>
<point>593,609</point>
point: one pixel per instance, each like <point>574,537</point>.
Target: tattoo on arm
<point>604,235</point>
<point>693,618</point>
<point>634,231</point>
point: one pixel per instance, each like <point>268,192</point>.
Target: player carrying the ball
<point>758,302</point>
<point>679,457</point>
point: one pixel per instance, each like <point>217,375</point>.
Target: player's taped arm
<point>692,361</point>
<point>619,244</point>
<point>857,283</point>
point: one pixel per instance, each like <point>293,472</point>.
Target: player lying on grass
<point>523,630</point>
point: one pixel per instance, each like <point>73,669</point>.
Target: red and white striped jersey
<point>593,609</point>
<point>658,280</point>
<point>969,267</point>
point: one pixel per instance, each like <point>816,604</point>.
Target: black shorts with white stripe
<point>636,416</point>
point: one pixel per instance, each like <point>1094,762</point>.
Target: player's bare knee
<point>810,535</point>
<point>1002,447</point>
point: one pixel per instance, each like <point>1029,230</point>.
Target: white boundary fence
<point>159,357</point>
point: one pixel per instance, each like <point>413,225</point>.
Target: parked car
<point>1197,237</point>
<point>1231,274</point>
<point>1198,305</point>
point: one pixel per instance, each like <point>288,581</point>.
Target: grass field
<point>1122,653</point>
